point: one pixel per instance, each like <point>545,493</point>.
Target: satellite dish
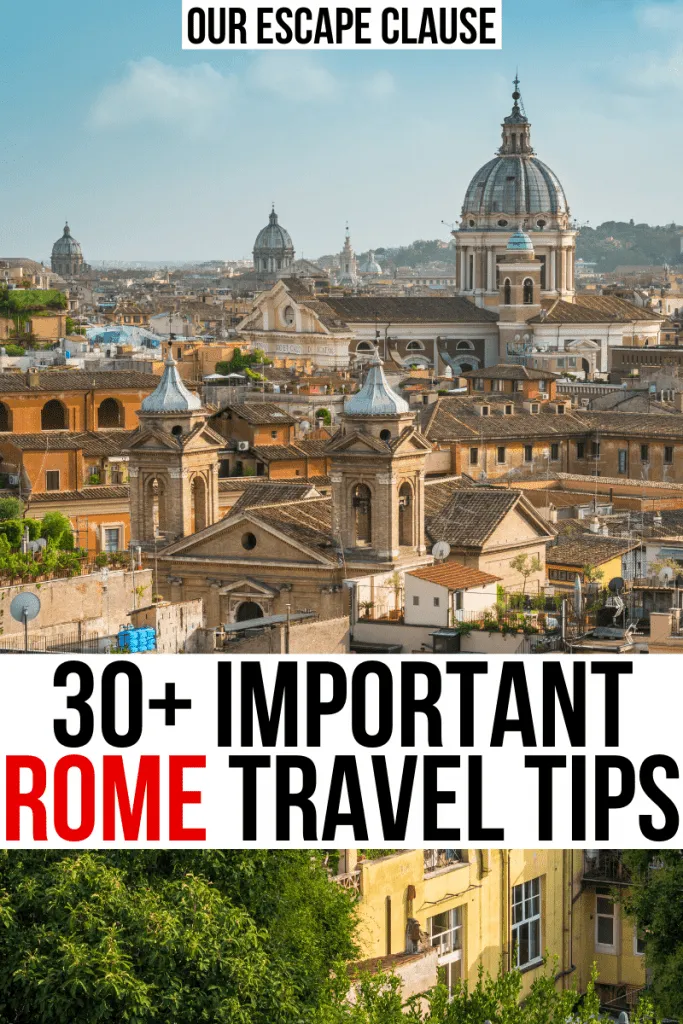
<point>441,549</point>
<point>616,585</point>
<point>24,607</point>
<point>665,574</point>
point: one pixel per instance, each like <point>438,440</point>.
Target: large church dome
<point>273,235</point>
<point>515,187</point>
<point>67,244</point>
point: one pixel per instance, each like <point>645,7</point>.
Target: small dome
<point>66,245</point>
<point>371,266</point>
<point>170,394</point>
<point>273,236</point>
<point>520,242</point>
<point>375,398</point>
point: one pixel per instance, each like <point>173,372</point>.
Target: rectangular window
<point>273,433</point>
<point>668,455</point>
<point>508,410</point>
<point>526,922</point>
<point>622,456</point>
<point>458,600</point>
<point>528,453</point>
<point>52,480</point>
<point>605,923</point>
<point>416,600</point>
<point>474,456</point>
<point>111,539</point>
<point>437,602</point>
<point>446,932</point>
<point>580,450</point>
<point>500,456</point>
<point>595,449</point>
<point>638,941</point>
<point>644,453</point>
<point>554,452</point>
<point>519,385</point>
<point>478,383</point>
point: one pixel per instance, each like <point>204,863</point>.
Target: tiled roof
<point>408,309</point>
<point>79,380</point>
<point>593,309</point>
<point>256,413</point>
<point>95,493</point>
<point>587,549</point>
<point>624,424</point>
<point>509,371</point>
<point>283,452</point>
<point>92,442</point>
<point>454,575</point>
<point>309,522</point>
<point>469,515</point>
<point>258,495</point>
<point>455,418</point>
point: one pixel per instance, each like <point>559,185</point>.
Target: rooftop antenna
<point>517,96</point>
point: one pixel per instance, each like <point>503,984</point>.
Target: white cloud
<point>661,17</point>
<point>381,85</point>
<point>292,76</point>
<point>150,92</point>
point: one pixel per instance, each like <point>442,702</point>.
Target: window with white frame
<point>446,931</point>
<point>606,932</point>
<point>526,923</point>
<point>112,539</point>
<point>638,941</point>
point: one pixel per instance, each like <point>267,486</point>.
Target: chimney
<point>594,526</point>
<point>33,377</point>
<point>678,401</point>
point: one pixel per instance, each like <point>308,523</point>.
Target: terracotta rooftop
<point>592,309</point>
<point>454,575</point>
<point>256,413</point>
<point>92,442</point>
<point>408,309</point>
<point>260,495</point>
<point>509,371</point>
<point>577,550</point>
<point>469,515</point>
<point>78,380</point>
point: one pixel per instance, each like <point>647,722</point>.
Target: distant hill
<point>612,244</point>
<point>622,243</point>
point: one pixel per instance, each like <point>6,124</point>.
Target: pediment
<point>411,441</point>
<point>249,586</point>
<point>225,540</point>
<point>153,439</point>
<point>201,438</point>
<point>357,442</point>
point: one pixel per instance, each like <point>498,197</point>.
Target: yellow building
<point>509,907</point>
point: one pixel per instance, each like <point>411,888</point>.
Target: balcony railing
<point>436,860</point>
<point>605,866</point>
<point>349,880</point>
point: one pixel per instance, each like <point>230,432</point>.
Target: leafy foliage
<point>655,902</point>
<point>241,362</point>
<point>622,243</point>
<point>187,937</point>
<point>10,508</point>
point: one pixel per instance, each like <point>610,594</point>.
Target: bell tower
<point>173,465</point>
<point>377,474</point>
<point>520,291</point>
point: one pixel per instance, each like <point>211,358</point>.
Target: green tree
<point>57,527</point>
<point>592,573</point>
<point>163,936</point>
<point>655,903</point>
<point>10,508</point>
<point>526,567</point>
<point>325,415</point>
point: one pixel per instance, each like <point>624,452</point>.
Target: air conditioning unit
<point>242,446</point>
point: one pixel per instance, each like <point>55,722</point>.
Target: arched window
<point>415,346</point>
<point>154,508</point>
<point>405,515</point>
<point>5,417</point>
<point>465,345</point>
<point>199,517</point>
<point>53,416</point>
<point>288,316</point>
<point>364,346</point>
<point>177,430</point>
<point>109,413</point>
<point>385,435</point>
<point>362,506</point>
<point>507,293</point>
<point>248,610</point>
<point>528,291</point>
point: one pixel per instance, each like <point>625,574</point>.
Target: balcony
<point>440,860</point>
<point>605,866</point>
<point>349,880</point>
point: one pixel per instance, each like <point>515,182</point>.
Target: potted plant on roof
<point>366,607</point>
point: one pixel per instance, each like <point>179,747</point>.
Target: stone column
<point>563,271</point>
<point>552,275</point>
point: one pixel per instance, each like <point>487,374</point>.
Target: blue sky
<point>156,153</point>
